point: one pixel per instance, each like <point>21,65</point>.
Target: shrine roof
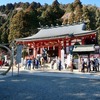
<point>58,31</point>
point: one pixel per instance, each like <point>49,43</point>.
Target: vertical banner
<point>67,49</point>
<point>69,59</point>
<point>71,49</point>
<point>62,59</point>
<point>19,54</point>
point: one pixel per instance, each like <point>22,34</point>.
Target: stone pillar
<point>62,59</point>
<point>35,52</point>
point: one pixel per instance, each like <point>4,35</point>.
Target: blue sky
<point>92,2</point>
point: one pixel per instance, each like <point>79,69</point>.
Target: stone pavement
<point>52,72</point>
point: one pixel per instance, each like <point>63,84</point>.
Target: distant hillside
<point>23,19</point>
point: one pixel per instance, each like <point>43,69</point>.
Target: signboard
<point>94,55</point>
<point>69,60</point>
<point>71,49</point>
<point>84,56</point>
<point>19,54</point>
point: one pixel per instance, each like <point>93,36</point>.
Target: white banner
<point>62,59</point>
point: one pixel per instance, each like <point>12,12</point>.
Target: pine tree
<point>71,18</point>
<point>28,23</point>
<point>92,15</point>
<point>78,13</point>
<point>98,35</point>
<point>97,17</point>
<point>77,3</point>
<point>85,17</point>
<point>69,8</point>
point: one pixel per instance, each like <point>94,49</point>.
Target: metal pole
<point>12,59</point>
<point>18,68</point>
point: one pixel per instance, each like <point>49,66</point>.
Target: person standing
<point>93,64</point>
<point>37,63</point>
<point>29,64</point>
<point>52,64</point>
<point>88,65</point>
<point>1,63</point>
<point>83,65</point>
<point>59,64</point>
<point>97,64</point>
<point>33,63</point>
<point>25,63</point>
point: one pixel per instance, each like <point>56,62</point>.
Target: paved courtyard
<point>36,87</point>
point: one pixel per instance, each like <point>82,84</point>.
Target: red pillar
<point>70,42</point>
<point>83,41</point>
<point>65,46</point>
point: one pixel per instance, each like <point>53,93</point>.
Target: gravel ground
<point>32,87</point>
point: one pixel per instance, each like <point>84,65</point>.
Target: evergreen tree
<point>9,6</point>
<point>52,14</point>
<point>69,8</point>
<point>86,17</point>
<point>35,13</point>
<point>92,15</point>
<point>71,18</point>
<point>57,12</point>
<point>55,3</point>
<point>22,24</point>
<point>97,17</point>
<point>4,31</point>
<point>46,16</point>
<point>78,13</point>
<point>15,27</point>
<point>77,3</point>
<point>98,35</point>
<point>25,5</point>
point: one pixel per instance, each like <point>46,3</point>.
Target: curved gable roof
<point>58,32</point>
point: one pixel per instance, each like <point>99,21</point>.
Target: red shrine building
<point>53,39</point>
